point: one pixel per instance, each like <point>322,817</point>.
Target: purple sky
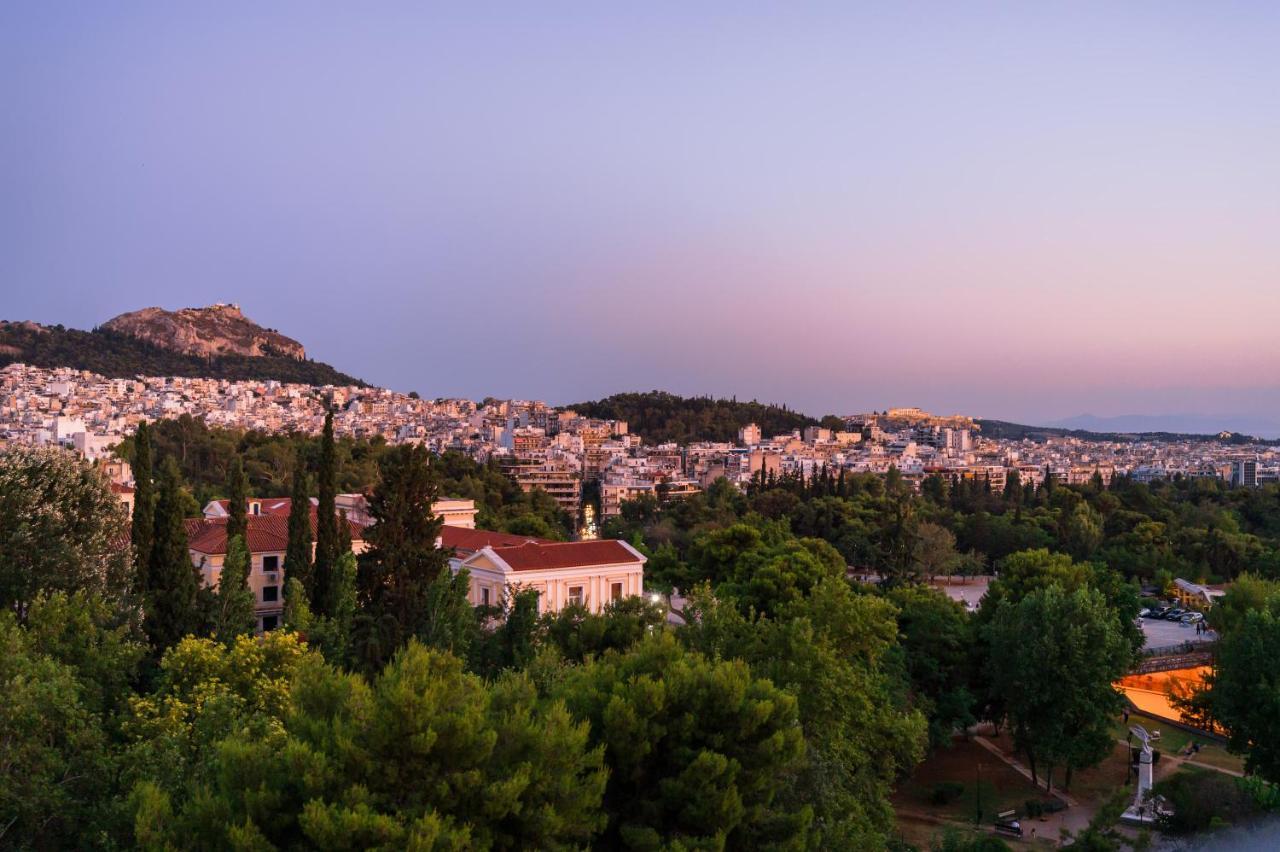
<point>1008,210</point>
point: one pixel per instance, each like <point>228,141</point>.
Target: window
<point>484,597</point>
<point>270,563</point>
<point>270,622</point>
<point>575,595</point>
<point>615,592</point>
<point>255,508</point>
<point>270,593</point>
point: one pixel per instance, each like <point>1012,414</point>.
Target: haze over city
<point>1027,214</point>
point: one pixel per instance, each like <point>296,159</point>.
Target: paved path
<point>1179,760</point>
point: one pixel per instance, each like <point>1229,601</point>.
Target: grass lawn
<point>1174,741</point>
<point>1001,788</point>
<point>922,822</point>
<point>1090,787</point>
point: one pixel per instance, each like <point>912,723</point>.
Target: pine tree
<point>172,582</point>
<point>237,519</point>
<point>234,602</point>
<point>326,521</point>
<point>297,557</point>
<point>144,502</point>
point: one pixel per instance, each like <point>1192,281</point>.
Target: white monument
<point>1144,809</point>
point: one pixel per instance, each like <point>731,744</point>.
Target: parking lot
<point>1161,633</point>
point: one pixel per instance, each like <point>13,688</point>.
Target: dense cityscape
<point>557,450</point>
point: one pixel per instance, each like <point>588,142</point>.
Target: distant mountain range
<point>216,342</point>
<point>1124,430</point>
<point>1194,424</point>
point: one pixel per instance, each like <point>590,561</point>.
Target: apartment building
<point>268,540</point>
<point>556,478</point>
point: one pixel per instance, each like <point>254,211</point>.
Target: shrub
<point>1202,800</point>
<point>946,792</point>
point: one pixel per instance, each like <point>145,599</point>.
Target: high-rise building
<point>1244,473</point>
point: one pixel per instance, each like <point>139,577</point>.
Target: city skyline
<point>1028,214</point>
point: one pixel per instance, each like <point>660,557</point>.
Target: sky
<point>1020,210</point>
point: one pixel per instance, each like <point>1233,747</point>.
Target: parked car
<point>1193,617</point>
<point>1174,614</point>
<point>1160,612</point>
<point>1144,613</point>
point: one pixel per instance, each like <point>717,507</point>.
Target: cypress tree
<point>237,519</point>
<point>297,556</point>
<point>144,503</point>
<point>326,521</point>
<point>234,602</point>
<point>172,582</point>
<point>398,571</point>
<point>344,535</point>
<point>1013,488</point>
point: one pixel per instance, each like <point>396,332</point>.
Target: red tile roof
<point>269,505</point>
<point>542,556</point>
<point>267,533</point>
<point>467,541</point>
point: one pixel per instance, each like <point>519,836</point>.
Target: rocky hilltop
<point>217,342</point>
<point>210,332</point>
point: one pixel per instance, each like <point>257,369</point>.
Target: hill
<point>1018,431</point>
<point>658,416</point>
<point>120,355</point>
<point>210,332</point>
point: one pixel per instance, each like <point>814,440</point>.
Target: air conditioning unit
<point>273,577</point>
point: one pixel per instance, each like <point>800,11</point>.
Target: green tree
<point>698,751</point>
<point>936,643</point>
<point>513,643</point>
<point>172,584</point>
<point>234,611</point>
<point>327,534</point>
<point>1082,531</point>
<point>1013,488</point>
<point>425,757</point>
<point>144,500</point>
<point>1247,594</point>
<point>935,550</point>
<point>206,692</point>
<point>1028,571</point>
<point>580,634</point>
<point>99,642</point>
<point>1054,656</point>
<point>55,766</point>
<point>237,500</point>
<point>404,579</point>
<point>832,650</point>
<point>1244,690</point>
<point>297,556</point>
<point>61,529</point>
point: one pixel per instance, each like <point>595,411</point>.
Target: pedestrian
<point>1126,715</point>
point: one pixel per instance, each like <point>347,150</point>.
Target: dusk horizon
<point>1032,214</point>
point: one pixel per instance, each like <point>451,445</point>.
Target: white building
<point>590,573</point>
